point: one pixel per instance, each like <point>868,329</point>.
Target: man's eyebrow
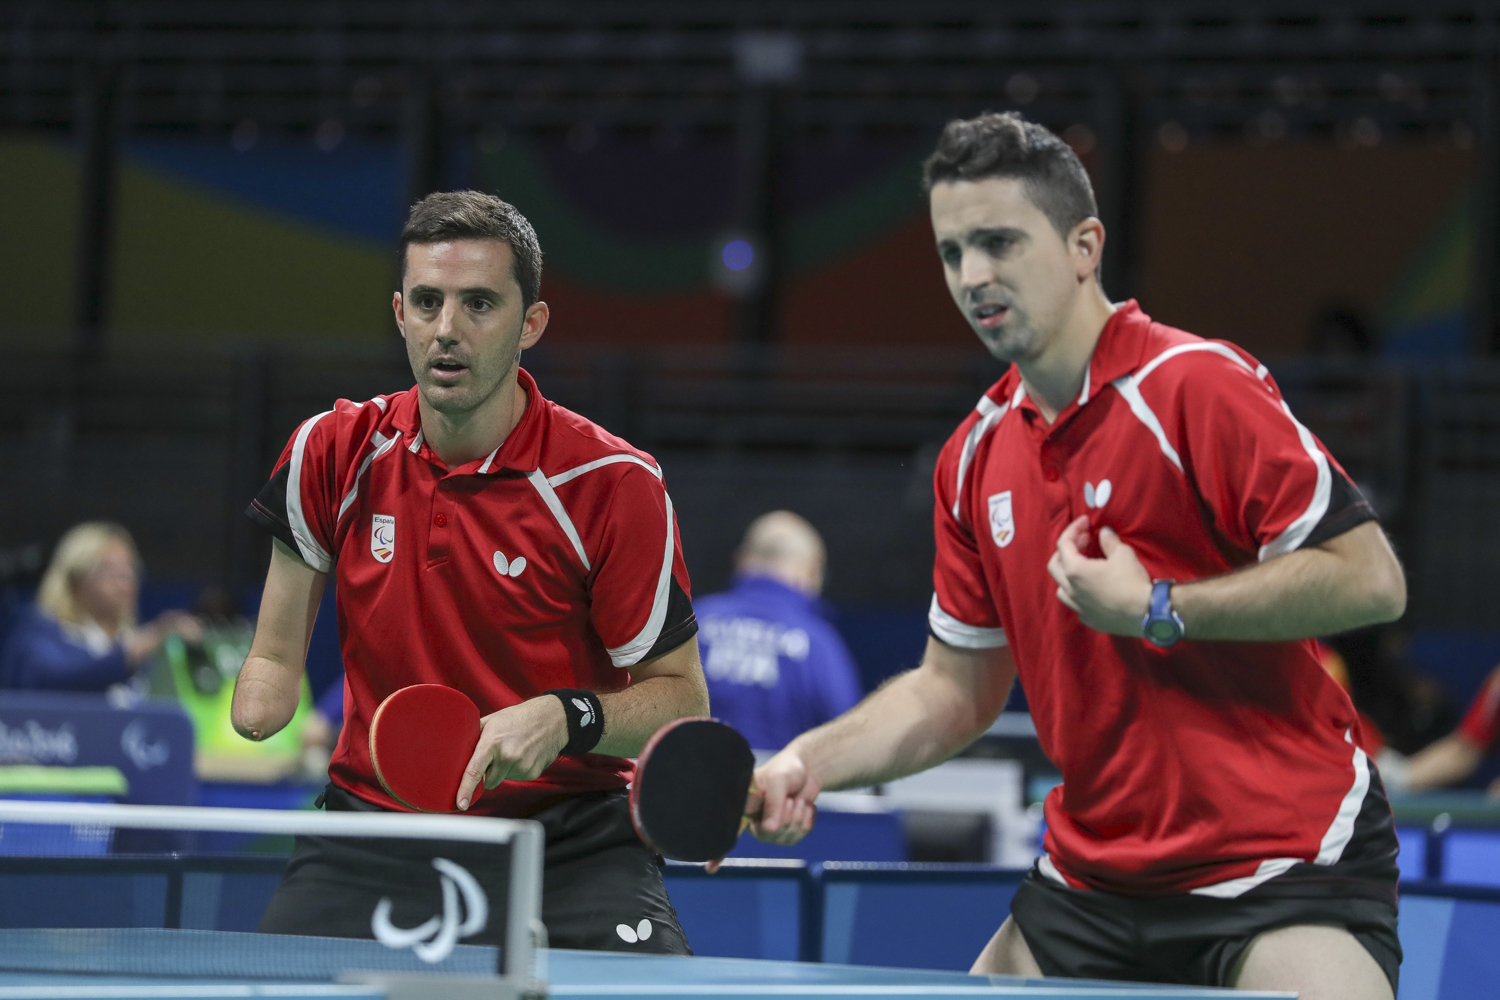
<point>974,236</point>
<point>475,290</point>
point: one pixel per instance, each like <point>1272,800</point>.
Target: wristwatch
<point>1163,626</point>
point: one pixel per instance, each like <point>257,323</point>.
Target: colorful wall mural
<point>284,240</point>
<point>1249,244</point>
<point>38,220</point>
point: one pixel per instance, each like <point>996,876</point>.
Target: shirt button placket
<point>437,535</point>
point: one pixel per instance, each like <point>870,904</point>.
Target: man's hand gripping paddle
<point>421,740</point>
<point>691,783</point>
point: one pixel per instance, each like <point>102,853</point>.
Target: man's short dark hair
<point>474,215</point>
<point>1007,145</point>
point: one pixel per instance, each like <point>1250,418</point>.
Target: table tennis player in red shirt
<point>490,541</point>
<point>1123,487</point>
<point>1453,759</point>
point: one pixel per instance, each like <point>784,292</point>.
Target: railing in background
<point>176,438</point>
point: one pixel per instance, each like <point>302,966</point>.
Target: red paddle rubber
<point>421,740</point>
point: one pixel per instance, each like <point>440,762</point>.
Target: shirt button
<point>1050,474</point>
<point>441,520</point>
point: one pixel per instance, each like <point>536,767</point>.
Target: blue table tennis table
<point>197,965</point>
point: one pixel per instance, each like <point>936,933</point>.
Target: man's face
<point>1012,276</point>
<point>461,314</point>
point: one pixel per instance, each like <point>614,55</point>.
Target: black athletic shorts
<point>1197,940</point>
<point>601,887</point>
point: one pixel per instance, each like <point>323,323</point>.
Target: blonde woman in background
<point>81,634</point>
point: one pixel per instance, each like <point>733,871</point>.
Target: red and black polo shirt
<point>1208,767</point>
<point>552,562</point>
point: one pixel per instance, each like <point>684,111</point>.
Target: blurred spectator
<point>1453,759</point>
<point>81,634</point>
<point>775,666</point>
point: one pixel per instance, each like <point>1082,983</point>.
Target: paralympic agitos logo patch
<point>1002,520</point>
<point>383,537</point>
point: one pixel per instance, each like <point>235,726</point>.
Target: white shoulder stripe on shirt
<point>990,414</point>
<point>635,650</point>
<point>383,444</point>
<point>312,553</point>
<point>576,471</point>
<point>549,497</point>
<point>961,634</point>
<point>1172,352</point>
<point>1297,532</point>
<point>1131,393</point>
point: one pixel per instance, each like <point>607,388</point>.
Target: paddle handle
<point>746,820</point>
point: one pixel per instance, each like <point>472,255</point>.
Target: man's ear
<point>1087,246</point>
<point>399,308</point>
<point>534,324</point>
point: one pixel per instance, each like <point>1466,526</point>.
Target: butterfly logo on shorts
<point>631,935</point>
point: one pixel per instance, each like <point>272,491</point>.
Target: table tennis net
<point>171,915</point>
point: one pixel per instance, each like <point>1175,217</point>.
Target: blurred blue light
<point>738,255</point>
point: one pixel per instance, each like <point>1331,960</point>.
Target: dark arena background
<point>200,201</point>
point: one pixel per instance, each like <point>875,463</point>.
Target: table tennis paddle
<point>421,740</point>
<point>691,781</point>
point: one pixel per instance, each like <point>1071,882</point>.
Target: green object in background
<point>30,779</point>
<point>204,677</point>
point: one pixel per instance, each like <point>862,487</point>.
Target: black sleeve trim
<point>681,623</point>
<point>268,510</point>
<point>1347,510</point>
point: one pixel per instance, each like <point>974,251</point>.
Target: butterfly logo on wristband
<point>587,718</point>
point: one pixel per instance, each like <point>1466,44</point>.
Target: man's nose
<point>975,269</point>
<point>446,330</point>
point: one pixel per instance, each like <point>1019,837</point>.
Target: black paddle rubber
<point>690,787</point>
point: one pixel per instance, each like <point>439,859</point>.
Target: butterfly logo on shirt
<point>1095,497</point>
<point>509,567</point>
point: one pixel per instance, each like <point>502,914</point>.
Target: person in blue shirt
<point>775,666</point>
<point>81,634</point>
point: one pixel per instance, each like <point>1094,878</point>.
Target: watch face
<point>1163,631</point>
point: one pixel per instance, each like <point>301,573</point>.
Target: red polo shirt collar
<point>521,450</point>
<point>1120,351</point>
